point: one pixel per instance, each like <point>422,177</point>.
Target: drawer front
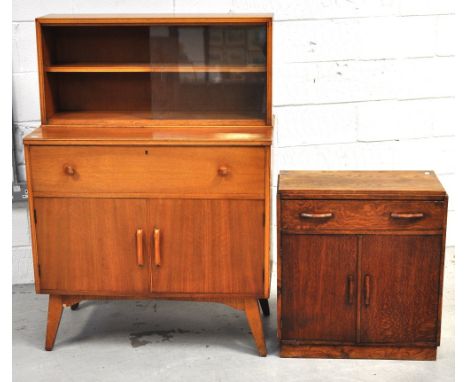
<point>323,215</point>
<point>167,170</point>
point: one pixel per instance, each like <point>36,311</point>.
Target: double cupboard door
<point>144,246</point>
<point>360,289</point>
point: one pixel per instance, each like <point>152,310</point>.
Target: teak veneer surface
<point>150,136</point>
<point>142,18</point>
<point>150,174</point>
<point>169,170</point>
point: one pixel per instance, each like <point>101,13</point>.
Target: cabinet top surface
<point>148,17</point>
<point>362,183</point>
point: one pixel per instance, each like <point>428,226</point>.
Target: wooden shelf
<point>77,135</point>
<point>150,68</point>
<point>147,118</point>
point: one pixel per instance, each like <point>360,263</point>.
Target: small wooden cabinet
<point>150,174</point>
<point>360,264</point>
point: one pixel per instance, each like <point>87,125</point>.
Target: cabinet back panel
<point>102,91</point>
<point>157,44</point>
<point>96,44</point>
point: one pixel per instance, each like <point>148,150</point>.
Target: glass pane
<point>208,72</point>
<point>213,72</point>
<point>208,45</point>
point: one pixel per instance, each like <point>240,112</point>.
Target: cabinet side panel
<point>32,223</point>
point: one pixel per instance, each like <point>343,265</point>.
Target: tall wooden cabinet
<point>150,174</point>
<point>361,258</point>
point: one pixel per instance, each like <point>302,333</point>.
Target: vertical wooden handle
<point>367,289</point>
<point>139,249</point>
<point>350,289</point>
<point>157,249</point>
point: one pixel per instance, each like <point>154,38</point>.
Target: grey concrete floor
<point>189,341</point>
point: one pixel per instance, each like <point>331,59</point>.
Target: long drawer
<point>167,170</point>
<point>323,215</point>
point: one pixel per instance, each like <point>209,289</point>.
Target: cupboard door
<point>318,284</point>
<point>207,246</point>
<point>400,286</point>
<point>90,245</point>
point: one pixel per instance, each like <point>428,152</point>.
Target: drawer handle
<point>350,289</point>
<point>157,249</point>
<point>69,170</point>
<point>306,215</point>
<point>223,171</point>
<point>139,249</point>
<point>398,215</point>
<point>367,290</point>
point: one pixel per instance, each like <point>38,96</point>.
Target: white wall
<point>363,84</point>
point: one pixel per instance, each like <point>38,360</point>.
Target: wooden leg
<point>252,312</point>
<point>53,320</point>
<point>265,306</point>
<point>75,306</point>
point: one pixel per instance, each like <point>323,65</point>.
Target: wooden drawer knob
<point>69,170</point>
<point>223,171</point>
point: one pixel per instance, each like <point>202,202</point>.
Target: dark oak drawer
<point>323,215</point>
<point>155,170</point>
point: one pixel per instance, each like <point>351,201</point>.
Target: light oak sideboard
<point>149,177</point>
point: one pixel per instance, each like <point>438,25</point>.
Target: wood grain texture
<point>148,68</point>
<point>162,136</point>
<point>150,175</point>
<point>267,267</point>
<point>150,170</point>
<point>32,223</point>
<point>315,289</point>
<point>359,352</point>
<point>252,312</point>
<point>134,118</point>
<point>359,184</point>
<point>208,246</point>
<point>90,245</point>
<point>129,19</point>
<point>112,71</point>
<point>361,215</point>
<point>404,289</point>
<point>398,263</point>
<point>53,320</point>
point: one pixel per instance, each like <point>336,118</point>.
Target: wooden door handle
<point>223,171</point>
<point>157,248</point>
<point>367,290</point>
<point>350,289</point>
<point>407,215</point>
<point>69,170</point>
<point>306,215</point>
<point>139,249</point>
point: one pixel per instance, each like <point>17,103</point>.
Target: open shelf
<point>148,68</point>
<point>155,75</point>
